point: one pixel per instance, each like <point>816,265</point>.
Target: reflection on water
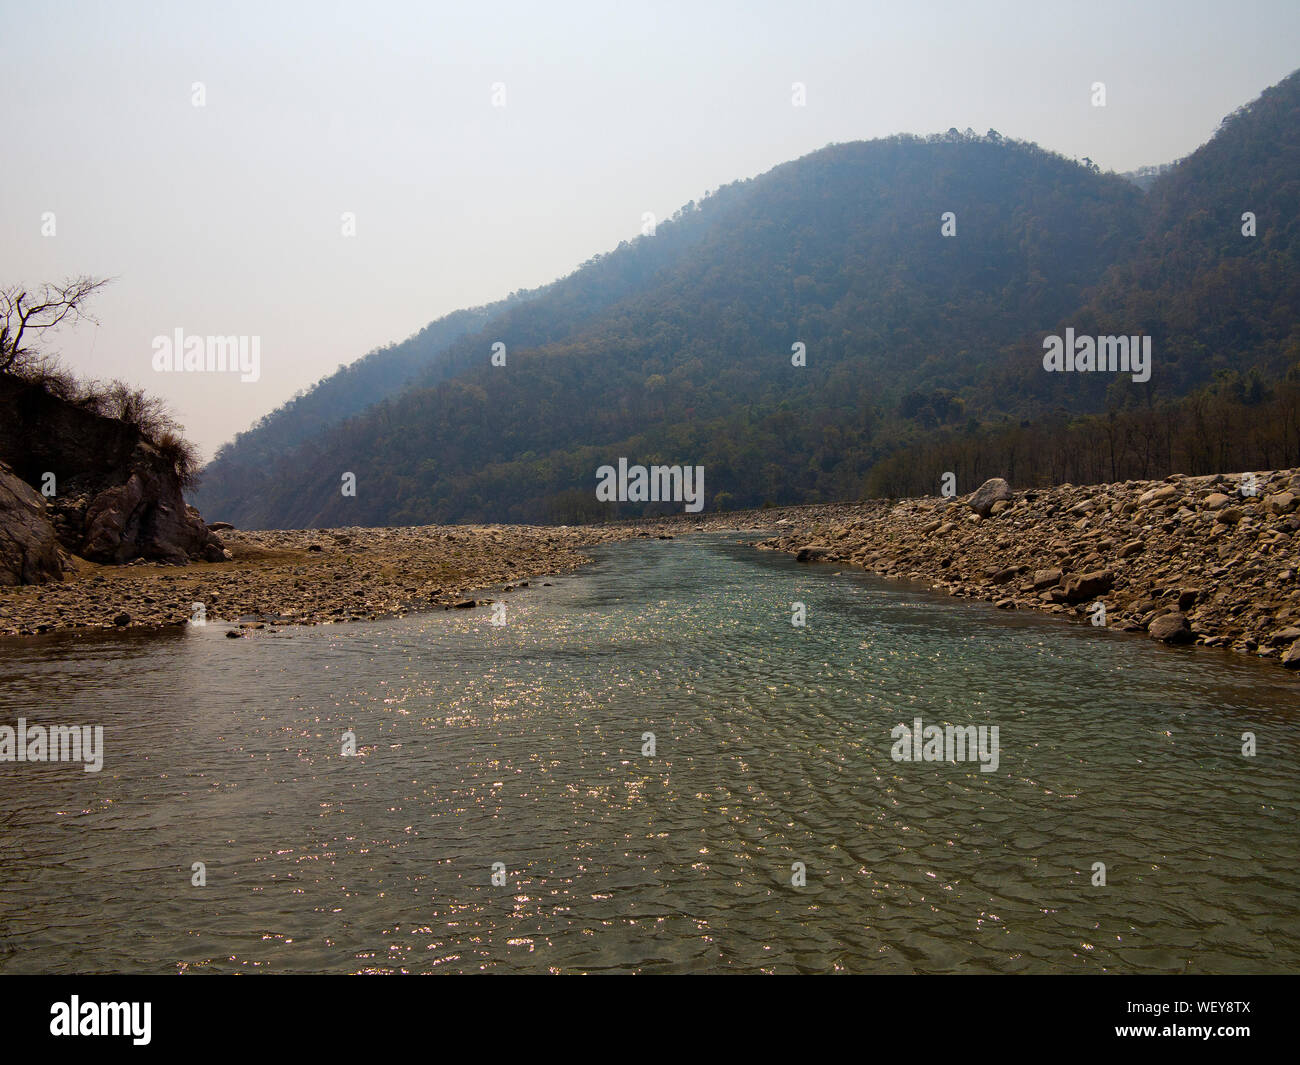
<point>522,745</point>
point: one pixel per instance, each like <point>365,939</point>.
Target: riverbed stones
<point>1235,580</point>
<point>358,573</point>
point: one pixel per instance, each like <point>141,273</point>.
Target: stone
<point>1162,494</point>
<point>1171,628</point>
<point>983,498</point>
<point>1089,585</point>
<point>29,545</point>
<point>1282,503</point>
<point>1046,578</point>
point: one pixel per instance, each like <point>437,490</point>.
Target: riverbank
<point>1184,559</point>
<point>309,577</point>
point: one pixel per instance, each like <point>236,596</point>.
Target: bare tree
<point>24,314</point>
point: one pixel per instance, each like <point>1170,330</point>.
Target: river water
<point>522,745</point>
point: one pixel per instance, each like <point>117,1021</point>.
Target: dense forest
<point>923,351</point>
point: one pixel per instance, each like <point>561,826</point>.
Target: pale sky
<point>226,219</point>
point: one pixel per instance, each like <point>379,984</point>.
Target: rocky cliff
<point>97,488</point>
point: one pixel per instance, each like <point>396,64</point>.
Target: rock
<point>1282,503</point>
<point>1292,658</point>
<point>1046,578</point>
<point>1133,547</point>
<point>1171,628</point>
<point>220,526</point>
<point>29,545</point>
<point>122,620</point>
<point>119,493</point>
<point>1089,585</point>
<point>465,604</point>
<point>146,517</point>
<point>811,554</point>
<point>232,634</point>
<point>1216,501</point>
<point>992,490</point>
<point>1230,515</point>
<point>1162,494</point>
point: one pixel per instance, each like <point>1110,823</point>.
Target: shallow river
<point>522,744</point>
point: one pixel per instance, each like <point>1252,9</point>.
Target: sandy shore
<point>307,577</point>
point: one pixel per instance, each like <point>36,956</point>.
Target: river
<point>522,744</point>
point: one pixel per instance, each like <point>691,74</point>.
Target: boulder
<point>1089,585</point>
<point>146,518</point>
<point>992,490</point>
<point>1282,503</point>
<point>1046,578</point>
<point>29,546</point>
<point>1162,494</point>
<point>1171,628</point>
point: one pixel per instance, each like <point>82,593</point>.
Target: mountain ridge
<point>675,347</point>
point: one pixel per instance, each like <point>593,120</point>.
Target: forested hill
<point>550,313</point>
<point>676,347</point>
<point>1217,297</point>
<point>351,389</point>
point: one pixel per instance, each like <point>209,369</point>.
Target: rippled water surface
<point>522,745</point>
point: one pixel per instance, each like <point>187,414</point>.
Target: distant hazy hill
<point>676,348</point>
<point>1216,298</point>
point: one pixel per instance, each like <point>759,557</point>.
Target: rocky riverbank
<point>305,577</point>
<point>1206,560</point>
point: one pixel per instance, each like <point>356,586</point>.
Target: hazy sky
<point>226,219</point>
